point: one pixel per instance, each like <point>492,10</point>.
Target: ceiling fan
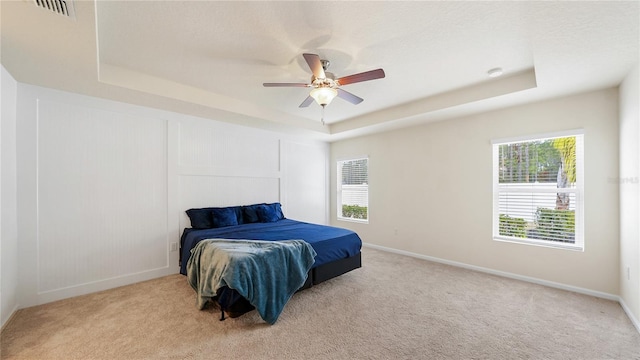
<point>325,85</point>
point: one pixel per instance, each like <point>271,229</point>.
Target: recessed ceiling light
<point>495,72</point>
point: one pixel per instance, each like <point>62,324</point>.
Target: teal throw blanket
<point>266,273</point>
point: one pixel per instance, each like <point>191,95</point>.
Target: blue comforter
<point>266,273</point>
<point>330,243</point>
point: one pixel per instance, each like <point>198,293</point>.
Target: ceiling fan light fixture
<point>323,95</point>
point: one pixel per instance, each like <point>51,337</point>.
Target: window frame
<point>579,244</point>
<point>339,189</point>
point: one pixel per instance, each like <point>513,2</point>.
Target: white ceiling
<point>210,58</point>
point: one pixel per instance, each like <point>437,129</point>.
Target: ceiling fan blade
<point>315,65</point>
<point>365,76</point>
<point>285,85</point>
<point>306,102</point>
<point>355,100</point>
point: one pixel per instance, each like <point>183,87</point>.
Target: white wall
<point>421,202</point>
<point>8,218</point>
<point>103,186</point>
<point>305,181</point>
<point>629,182</point>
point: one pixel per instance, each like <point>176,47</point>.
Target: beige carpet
<point>395,307</point>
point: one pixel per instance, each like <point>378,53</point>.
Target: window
<point>353,189</point>
<point>538,191</point>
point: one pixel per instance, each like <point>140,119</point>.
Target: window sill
<point>541,243</point>
<point>360,221</point>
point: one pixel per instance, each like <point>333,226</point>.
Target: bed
<point>337,249</point>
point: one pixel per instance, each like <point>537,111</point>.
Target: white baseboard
<point>44,297</point>
<point>13,313</point>
<point>626,309</point>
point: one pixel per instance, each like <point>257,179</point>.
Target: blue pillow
<point>270,212</point>
<point>238,211</point>
<point>222,217</point>
<point>250,214</point>
<point>200,218</point>
<point>278,209</point>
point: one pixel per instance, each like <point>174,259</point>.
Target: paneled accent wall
<point>220,166</point>
<point>103,187</point>
<point>304,181</point>
<point>102,193</point>
<point>210,146</point>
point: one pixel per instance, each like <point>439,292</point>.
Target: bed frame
<point>331,270</point>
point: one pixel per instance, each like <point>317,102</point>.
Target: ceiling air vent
<point>62,7</point>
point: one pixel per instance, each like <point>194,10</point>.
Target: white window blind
<point>538,191</point>
<point>353,189</point>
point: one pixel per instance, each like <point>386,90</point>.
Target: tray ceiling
<point>210,58</point>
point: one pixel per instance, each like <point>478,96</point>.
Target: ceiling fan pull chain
<point>322,116</point>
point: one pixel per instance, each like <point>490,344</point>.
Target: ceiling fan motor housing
<point>328,81</point>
